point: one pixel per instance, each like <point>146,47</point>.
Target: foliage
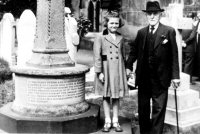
<point>3,2</point>
<point>7,92</point>
<point>16,7</point>
<point>5,73</point>
<point>84,25</point>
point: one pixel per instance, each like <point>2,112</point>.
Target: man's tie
<point>151,30</point>
<point>152,59</point>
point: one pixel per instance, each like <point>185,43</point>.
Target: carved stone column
<point>50,46</point>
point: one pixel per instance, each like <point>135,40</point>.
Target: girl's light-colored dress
<point>109,59</point>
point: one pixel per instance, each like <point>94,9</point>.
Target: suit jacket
<point>190,37</point>
<point>165,50</point>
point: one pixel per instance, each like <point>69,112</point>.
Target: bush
<point>5,72</point>
<point>84,25</point>
<point>7,92</point>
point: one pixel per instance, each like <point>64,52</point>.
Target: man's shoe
<point>117,127</point>
<point>106,127</point>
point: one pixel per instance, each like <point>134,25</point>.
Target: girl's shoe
<point>106,127</point>
<point>117,127</point>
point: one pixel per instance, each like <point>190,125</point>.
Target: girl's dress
<point>109,59</point>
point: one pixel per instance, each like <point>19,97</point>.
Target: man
<point>155,50</point>
<point>189,48</point>
<point>71,35</point>
<point>197,54</point>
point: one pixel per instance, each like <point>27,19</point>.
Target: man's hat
<point>67,10</point>
<point>153,6</point>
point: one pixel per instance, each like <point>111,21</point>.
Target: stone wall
<point>131,9</point>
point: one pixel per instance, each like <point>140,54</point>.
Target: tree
<point>16,7</point>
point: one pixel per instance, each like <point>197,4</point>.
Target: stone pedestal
<point>50,101</point>
<point>50,92</point>
<point>86,122</point>
<point>188,106</point>
<point>50,87</point>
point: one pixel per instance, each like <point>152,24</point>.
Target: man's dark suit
<point>189,51</point>
<point>190,38</point>
<point>154,73</point>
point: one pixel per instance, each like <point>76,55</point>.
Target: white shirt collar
<point>155,27</point>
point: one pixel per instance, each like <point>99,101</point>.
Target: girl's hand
<point>128,72</point>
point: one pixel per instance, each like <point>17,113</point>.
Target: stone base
<point>50,91</point>
<point>188,108</point>
<point>86,122</point>
<point>188,105</point>
<point>171,129</point>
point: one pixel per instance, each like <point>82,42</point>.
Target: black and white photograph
<point>100,66</point>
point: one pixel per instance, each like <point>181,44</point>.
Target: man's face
<point>153,17</point>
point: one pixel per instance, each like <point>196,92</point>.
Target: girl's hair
<point>112,14</point>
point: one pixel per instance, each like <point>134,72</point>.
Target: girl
<point>109,67</point>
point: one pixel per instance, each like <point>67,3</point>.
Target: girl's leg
<point>115,120</point>
<point>115,103</point>
<point>106,107</point>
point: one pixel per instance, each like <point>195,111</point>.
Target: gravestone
<point>25,32</point>
<point>50,87</point>
<point>7,37</point>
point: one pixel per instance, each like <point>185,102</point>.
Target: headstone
<point>7,37</point>
<point>25,32</point>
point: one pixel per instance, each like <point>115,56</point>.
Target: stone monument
<point>50,87</point>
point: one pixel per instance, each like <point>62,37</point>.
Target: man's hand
<point>183,44</point>
<point>175,83</point>
<point>101,77</point>
<point>128,72</point>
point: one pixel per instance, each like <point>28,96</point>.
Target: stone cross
<point>50,81</point>
<point>50,46</point>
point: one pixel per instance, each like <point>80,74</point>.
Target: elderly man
<point>156,52</point>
